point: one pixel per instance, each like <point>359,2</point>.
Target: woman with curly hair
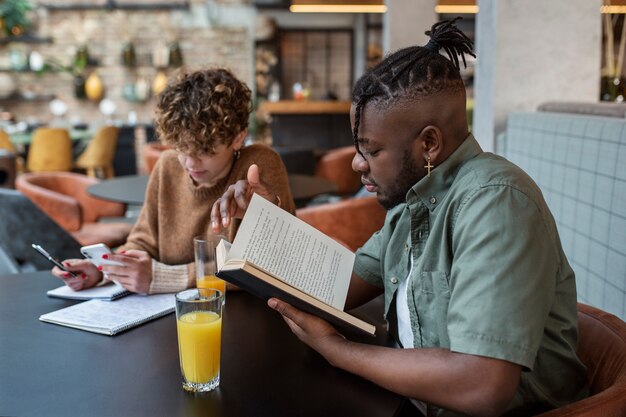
<point>203,117</point>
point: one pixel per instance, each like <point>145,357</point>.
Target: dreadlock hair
<point>415,72</point>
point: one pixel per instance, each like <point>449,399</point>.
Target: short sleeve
<point>367,263</point>
<point>503,277</point>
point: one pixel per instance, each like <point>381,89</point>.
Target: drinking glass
<point>199,328</point>
<point>204,251</point>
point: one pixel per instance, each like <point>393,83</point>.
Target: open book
<point>278,255</point>
<point>112,317</point>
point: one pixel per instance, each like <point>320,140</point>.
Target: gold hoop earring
<point>428,166</point>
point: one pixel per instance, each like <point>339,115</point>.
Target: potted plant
<point>14,17</point>
<point>612,80</point>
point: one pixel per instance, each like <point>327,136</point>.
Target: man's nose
<point>359,164</point>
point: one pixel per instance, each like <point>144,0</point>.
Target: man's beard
<point>408,176</point>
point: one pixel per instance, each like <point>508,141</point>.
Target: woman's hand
<point>136,273</point>
<point>236,198</point>
<point>87,274</point>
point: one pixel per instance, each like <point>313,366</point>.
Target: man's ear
<point>431,143</point>
<point>238,141</point>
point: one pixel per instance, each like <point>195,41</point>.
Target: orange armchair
<point>63,197</point>
<point>602,348</point>
<point>350,222</point>
<point>151,152</point>
<point>336,166</point>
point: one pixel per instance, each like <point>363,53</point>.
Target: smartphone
<point>94,254</point>
<point>54,261</point>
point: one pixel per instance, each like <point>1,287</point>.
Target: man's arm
<point>360,292</point>
<point>471,384</point>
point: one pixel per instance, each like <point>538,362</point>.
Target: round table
<point>131,189</point>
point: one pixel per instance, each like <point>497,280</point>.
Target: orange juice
<point>211,281</point>
<point>199,342</point>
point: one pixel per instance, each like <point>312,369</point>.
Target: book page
<point>294,251</point>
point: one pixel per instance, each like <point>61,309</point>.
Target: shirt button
<point>433,200</point>
<point>394,280</point>
<point>406,247</point>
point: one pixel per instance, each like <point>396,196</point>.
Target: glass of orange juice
<point>204,250</point>
<point>199,327</point>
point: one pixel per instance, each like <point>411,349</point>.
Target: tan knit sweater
<point>176,210</point>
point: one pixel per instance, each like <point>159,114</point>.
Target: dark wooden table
<point>50,370</point>
<point>131,189</point>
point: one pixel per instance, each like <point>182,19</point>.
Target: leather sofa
<point>350,222</point>
<point>63,196</point>
<point>150,153</point>
<point>336,166</point>
<point>602,348</point>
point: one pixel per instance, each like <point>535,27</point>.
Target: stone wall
<point>203,41</point>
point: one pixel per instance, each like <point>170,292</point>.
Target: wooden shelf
<point>305,107</point>
<point>114,5</point>
<point>28,97</point>
<point>25,39</point>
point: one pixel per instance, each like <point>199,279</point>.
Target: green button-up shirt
<point>489,275</point>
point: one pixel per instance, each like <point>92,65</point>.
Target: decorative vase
<point>36,61</point>
<point>7,85</point>
<point>128,55</point>
<point>159,83</point>
<point>142,89</point>
<point>128,92</point>
<point>94,88</point>
<point>176,55</point>
<point>79,87</point>
<point>18,58</point>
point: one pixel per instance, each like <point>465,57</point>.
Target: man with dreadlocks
<point>476,285</point>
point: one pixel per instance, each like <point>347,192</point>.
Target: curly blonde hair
<point>202,109</point>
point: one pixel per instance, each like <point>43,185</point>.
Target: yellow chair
<point>50,150</point>
<point>5,142</point>
<point>97,158</point>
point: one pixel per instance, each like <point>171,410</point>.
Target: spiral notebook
<point>107,292</point>
<point>112,317</point>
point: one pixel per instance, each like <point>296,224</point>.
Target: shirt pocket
<point>432,297</point>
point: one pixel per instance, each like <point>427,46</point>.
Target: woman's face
<point>209,169</point>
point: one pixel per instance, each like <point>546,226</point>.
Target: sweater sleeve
<point>144,235</point>
<point>171,278</point>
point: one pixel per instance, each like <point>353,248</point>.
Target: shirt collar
<point>431,190</point>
